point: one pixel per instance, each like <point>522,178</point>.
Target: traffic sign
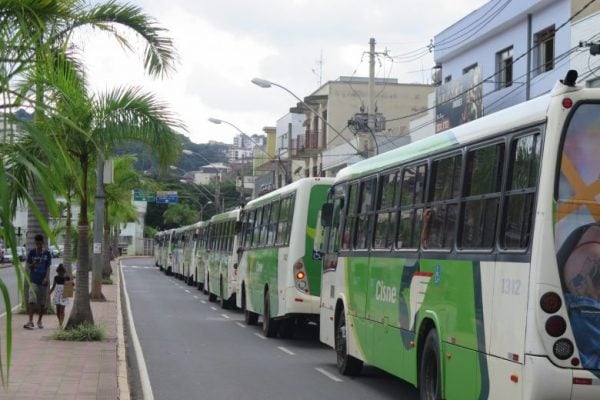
<point>168,197</point>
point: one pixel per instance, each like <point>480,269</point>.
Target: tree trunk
<point>68,244</point>
<point>82,311</point>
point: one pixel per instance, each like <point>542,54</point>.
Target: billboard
<point>459,101</point>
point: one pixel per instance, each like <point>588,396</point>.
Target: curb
<point>122,379</point>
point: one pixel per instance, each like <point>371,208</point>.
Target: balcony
<point>308,144</point>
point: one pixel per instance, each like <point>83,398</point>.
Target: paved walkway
<point>43,368</point>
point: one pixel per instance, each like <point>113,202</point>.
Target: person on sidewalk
<point>59,300</point>
<point>38,264</point>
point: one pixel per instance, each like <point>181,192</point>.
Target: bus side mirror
<point>326,214</point>
<point>238,227</point>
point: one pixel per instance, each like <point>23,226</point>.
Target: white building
<point>511,51</point>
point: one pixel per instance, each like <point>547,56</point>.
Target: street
<point>194,349</point>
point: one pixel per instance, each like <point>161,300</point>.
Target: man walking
<point>38,265</point>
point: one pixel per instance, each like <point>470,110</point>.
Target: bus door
<point>329,250</point>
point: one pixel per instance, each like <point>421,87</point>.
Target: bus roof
<point>527,113</point>
<point>227,215</point>
<point>300,183</point>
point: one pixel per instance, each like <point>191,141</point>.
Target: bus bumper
<point>544,380</point>
<point>300,303</point>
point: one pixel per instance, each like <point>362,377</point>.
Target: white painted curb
<point>139,355</point>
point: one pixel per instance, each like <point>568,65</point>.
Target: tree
<point>119,209</point>
<point>36,33</point>
<point>88,125</point>
<point>180,214</point>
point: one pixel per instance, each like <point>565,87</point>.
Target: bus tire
<point>211,297</point>
<point>347,365</point>
<point>430,385</point>
<point>222,301</point>
<point>200,286</point>
<point>270,325</point>
<point>250,318</point>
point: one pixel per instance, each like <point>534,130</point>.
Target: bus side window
<point>348,234</point>
<point>385,217</point>
<point>520,192</point>
<point>410,197</point>
<point>444,195</point>
<point>481,203</point>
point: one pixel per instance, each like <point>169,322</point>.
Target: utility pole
<point>218,191</point>
<point>371,91</point>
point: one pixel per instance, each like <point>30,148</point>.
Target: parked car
<point>7,257</point>
<point>54,251</point>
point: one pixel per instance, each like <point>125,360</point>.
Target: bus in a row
<point>466,263</point>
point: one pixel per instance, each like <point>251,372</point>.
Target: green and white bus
<point>468,263</point>
<point>279,272</point>
<point>220,279</point>
<point>200,259</point>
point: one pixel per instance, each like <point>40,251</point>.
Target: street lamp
<point>263,83</point>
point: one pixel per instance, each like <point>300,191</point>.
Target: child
<point>58,299</point>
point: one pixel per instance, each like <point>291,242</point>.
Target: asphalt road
<point>195,350</point>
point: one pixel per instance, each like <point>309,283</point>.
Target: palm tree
<point>119,209</point>
<point>98,124</point>
<point>35,32</point>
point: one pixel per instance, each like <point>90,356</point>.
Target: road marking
<point>203,301</point>
<point>240,325</point>
<point>291,353</point>
<point>329,375</point>
<point>187,291</point>
<point>260,336</point>
<point>225,316</point>
<point>12,310</point>
<point>214,308</point>
<point>196,297</point>
<point>139,355</point>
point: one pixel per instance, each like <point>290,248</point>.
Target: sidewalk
<point>43,368</point>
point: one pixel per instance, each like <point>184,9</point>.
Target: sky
<point>298,44</point>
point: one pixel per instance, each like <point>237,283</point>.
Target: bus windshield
<point>577,229</point>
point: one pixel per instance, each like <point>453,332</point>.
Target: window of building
<point>447,78</point>
<point>504,68</point>
<point>470,68</point>
<point>544,54</point>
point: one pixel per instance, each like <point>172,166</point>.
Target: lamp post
<point>263,83</point>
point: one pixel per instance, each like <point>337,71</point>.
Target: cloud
<point>223,45</point>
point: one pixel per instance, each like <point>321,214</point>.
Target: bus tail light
<point>550,302</point>
<point>556,326</point>
<point>300,280</point>
<point>563,349</point>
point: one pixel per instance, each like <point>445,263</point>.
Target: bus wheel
<point>270,325</point>
<point>346,364</point>
<point>250,318</point>
<point>224,303</point>
<point>211,297</point>
<point>429,370</point>
<point>200,286</point>
<point>190,281</point>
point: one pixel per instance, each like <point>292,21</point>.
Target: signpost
<point>156,197</point>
